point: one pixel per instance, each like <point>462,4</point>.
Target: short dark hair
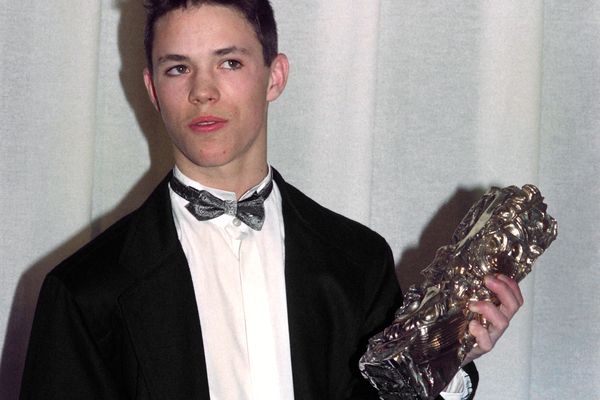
<point>258,13</point>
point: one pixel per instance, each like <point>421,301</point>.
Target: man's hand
<point>498,317</point>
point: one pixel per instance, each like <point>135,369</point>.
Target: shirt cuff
<point>459,388</point>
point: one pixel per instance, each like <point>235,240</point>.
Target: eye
<point>177,70</point>
<point>231,65</point>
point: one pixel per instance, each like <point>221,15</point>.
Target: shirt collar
<point>222,194</point>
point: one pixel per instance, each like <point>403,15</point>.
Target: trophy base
<point>429,361</point>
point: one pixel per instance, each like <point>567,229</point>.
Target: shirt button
<point>236,222</point>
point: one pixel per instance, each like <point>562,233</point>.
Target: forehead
<point>204,26</point>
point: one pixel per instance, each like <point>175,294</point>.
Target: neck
<point>238,181</point>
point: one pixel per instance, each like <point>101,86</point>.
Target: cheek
<point>171,99</point>
<point>255,99</point>
<point>252,88</point>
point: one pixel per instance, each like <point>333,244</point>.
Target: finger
<point>497,319</point>
<point>482,336</point>
<point>514,287</point>
<point>504,292</point>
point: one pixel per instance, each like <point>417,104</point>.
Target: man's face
<point>212,88</point>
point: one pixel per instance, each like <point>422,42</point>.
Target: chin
<point>211,162</point>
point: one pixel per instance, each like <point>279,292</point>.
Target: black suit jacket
<point>118,319</point>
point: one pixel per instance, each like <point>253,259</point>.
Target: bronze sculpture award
<point>421,351</point>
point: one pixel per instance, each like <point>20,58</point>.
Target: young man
<point>195,295</point>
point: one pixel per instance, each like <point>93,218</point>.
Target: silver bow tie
<point>205,206</point>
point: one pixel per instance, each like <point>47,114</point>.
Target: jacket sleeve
<point>471,370</point>
<point>386,298</point>
<point>63,361</point>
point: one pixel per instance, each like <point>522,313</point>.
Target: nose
<point>203,90</point>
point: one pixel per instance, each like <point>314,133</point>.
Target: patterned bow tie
<point>205,206</point>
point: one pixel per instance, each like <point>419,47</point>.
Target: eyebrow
<point>172,57</point>
<point>231,50</point>
<point>219,53</point>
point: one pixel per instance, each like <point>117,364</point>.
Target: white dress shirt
<point>239,284</point>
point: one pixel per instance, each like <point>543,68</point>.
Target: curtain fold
<point>397,113</point>
<point>566,351</point>
<point>48,91</point>
<point>329,130</point>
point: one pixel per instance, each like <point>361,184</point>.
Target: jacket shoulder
<point>102,265</point>
<point>95,267</point>
<point>334,229</point>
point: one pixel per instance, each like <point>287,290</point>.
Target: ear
<point>278,78</point>
<point>150,88</point>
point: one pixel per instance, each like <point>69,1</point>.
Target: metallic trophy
<point>419,354</point>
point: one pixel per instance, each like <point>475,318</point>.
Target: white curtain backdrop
<point>398,113</point>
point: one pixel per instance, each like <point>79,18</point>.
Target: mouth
<point>207,123</point>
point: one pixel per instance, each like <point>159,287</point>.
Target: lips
<point>206,124</point>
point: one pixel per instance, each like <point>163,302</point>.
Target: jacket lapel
<point>307,326</point>
<point>160,310</point>
<point>308,320</point>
